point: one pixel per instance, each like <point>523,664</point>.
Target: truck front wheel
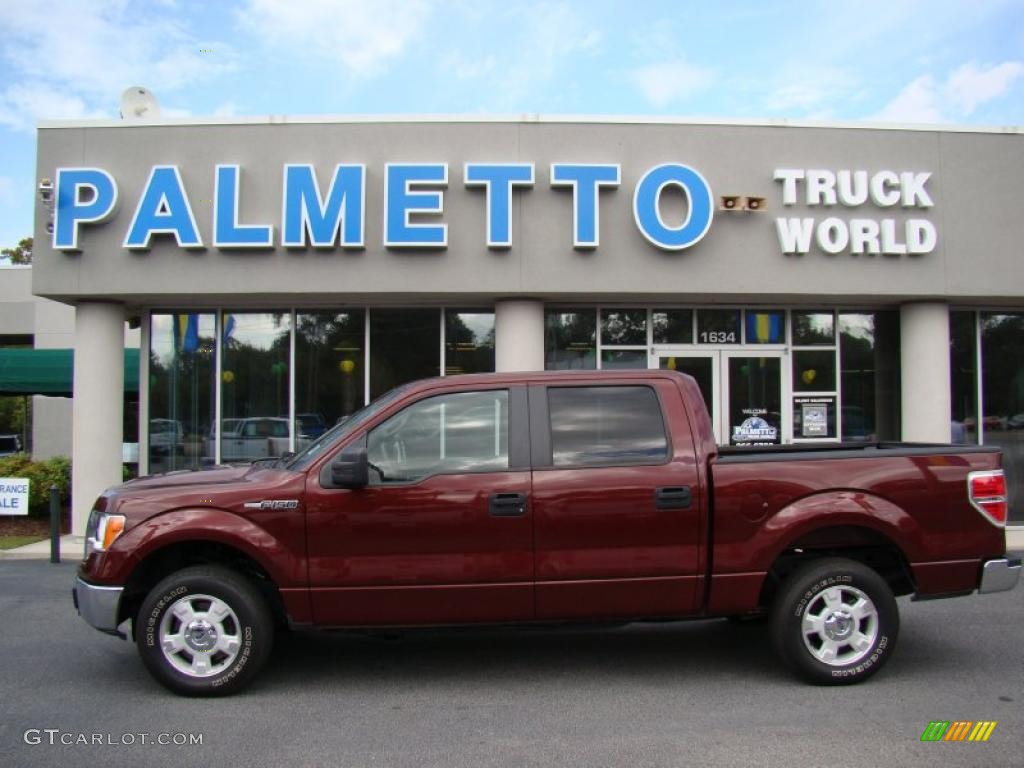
<point>835,621</point>
<point>204,631</point>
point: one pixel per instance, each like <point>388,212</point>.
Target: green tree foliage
<point>19,254</point>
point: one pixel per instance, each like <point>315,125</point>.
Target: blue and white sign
<point>13,496</point>
<point>321,213</point>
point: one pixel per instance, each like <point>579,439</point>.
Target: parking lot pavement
<point>702,693</point>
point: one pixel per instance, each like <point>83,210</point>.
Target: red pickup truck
<point>541,497</point>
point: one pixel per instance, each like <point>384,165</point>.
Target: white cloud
<point>968,87</point>
<point>22,105</point>
<point>361,35</point>
<point>670,81</point>
<point>73,59</point>
<point>927,100</point>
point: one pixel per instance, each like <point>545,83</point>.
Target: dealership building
<point>820,282</point>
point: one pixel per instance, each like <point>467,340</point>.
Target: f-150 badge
<point>272,504</point>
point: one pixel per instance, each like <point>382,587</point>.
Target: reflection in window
<point>623,358</point>
<point>963,374</point>
<point>181,391</point>
<point>468,341</point>
<point>813,329</point>
<point>329,370</point>
<point>254,385</point>
<point>570,339</point>
<point>1002,424</point>
<point>623,327</point>
<point>606,426</point>
<point>672,326</point>
<point>456,433</point>
<point>869,359</point>
<point>405,345</point>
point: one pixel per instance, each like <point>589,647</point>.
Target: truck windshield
<point>343,428</point>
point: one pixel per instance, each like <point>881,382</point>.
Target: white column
<point>98,406</point>
<point>924,372</point>
<point>519,335</point>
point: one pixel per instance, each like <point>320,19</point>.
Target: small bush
<point>41,475</point>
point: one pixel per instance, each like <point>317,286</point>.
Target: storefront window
<point>329,370</point>
<point>468,341</point>
<point>869,359</point>
<point>765,327</point>
<point>623,327</point>
<point>813,329</point>
<point>181,391</point>
<point>1002,424</point>
<point>254,385</point>
<point>570,339</point>
<point>672,326</point>
<point>405,345</point>
<point>623,358</point>
<point>963,376</point>
<point>718,326</point>
<point>814,370</point>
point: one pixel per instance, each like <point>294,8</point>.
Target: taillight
<point>987,493</point>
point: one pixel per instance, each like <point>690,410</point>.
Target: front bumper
<point>999,575</point>
<point>97,605</point>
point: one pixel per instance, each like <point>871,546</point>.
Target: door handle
<point>673,497</point>
<point>508,504</point>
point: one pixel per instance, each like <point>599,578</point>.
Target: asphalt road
<point>703,693</point>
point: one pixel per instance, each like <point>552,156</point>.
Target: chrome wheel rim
<point>200,635</point>
<point>839,626</point>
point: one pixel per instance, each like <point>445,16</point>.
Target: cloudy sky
<point>904,61</point>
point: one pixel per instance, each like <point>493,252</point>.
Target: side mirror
<point>350,469</point>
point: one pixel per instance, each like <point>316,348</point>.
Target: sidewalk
<point>71,547</point>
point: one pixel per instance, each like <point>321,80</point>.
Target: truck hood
<point>230,488</point>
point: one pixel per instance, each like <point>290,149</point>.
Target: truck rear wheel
<point>835,621</point>
<point>204,631</point>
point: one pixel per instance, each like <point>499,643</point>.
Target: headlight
<point>107,529</point>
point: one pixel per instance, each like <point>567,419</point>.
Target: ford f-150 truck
<point>541,497</point>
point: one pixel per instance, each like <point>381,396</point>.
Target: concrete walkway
<point>72,547</point>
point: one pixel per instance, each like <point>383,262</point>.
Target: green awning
<point>49,371</point>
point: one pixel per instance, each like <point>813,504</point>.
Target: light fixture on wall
<point>730,203</point>
<point>755,204</point>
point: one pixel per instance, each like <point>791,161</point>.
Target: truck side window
<point>602,426</point>
<point>453,433</point>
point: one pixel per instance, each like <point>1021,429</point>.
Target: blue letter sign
<point>71,210</point>
<point>498,179</point>
<point>306,213</point>
<point>163,209</point>
<point>401,202</point>
<point>648,217</point>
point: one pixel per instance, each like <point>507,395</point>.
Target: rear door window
<point>606,426</point>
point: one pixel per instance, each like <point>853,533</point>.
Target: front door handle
<point>508,504</point>
<point>673,497</point>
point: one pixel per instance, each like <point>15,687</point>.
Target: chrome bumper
<point>97,605</point>
<point>999,575</point>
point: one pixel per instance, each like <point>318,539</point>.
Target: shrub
<point>41,475</point>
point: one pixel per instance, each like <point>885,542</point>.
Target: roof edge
<point>526,118</point>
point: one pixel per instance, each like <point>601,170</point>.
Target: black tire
<point>871,627</point>
<point>222,650</point>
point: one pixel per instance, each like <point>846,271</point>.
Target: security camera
<point>46,191</point>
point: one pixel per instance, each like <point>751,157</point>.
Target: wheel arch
<point>163,561</point>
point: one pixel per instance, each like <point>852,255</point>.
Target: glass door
<point>705,368</point>
<point>753,396</point>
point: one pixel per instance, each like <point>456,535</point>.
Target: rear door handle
<point>508,504</point>
<point>673,497</point>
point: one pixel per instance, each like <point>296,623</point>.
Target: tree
<point>19,254</point>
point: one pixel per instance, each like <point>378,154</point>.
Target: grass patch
<point>11,542</point>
